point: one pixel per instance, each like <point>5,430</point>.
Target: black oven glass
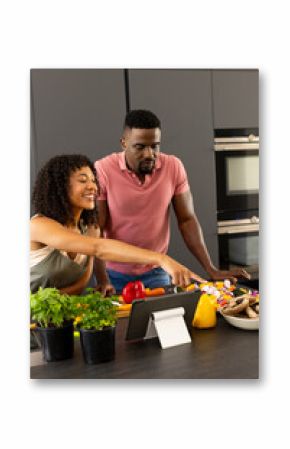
<point>237,175</point>
<point>239,249</point>
<point>242,174</point>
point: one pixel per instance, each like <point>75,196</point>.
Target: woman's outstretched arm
<point>49,232</point>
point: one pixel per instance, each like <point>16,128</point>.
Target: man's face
<point>141,148</point>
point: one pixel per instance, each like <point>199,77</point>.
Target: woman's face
<point>83,189</point>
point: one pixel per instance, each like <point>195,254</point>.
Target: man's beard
<point>145,168</point>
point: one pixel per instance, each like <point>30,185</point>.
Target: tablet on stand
<point>168,317</point>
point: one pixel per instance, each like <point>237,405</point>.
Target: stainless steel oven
<point>237,175</point>
<point>238,243</point>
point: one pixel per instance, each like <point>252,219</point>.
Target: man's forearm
<point>193,236</point>
<point>100,271</point>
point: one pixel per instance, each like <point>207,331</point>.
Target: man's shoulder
<point>111,159</point>
<point>170,159</point>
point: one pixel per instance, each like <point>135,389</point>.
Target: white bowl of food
<point>242,312</point>
<point>242,322</point>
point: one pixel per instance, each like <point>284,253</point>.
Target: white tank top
<point>37,255</point>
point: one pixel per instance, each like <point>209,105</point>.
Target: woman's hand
<point>181,275</point>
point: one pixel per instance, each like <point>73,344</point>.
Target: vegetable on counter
<point>155,291</point>
<point>191,287</point>
<point>125,307</point>
<point>205,314</point>
<point>246,305</point>
<point>239,291</point>
<point>133,290</point>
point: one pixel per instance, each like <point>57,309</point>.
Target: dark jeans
<point>151,279</point>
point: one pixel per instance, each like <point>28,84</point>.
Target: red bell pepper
<point>133,290</point>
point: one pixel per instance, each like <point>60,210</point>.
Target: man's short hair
<point>142,119</point>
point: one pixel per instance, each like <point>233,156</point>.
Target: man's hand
<point>106,289</point>
<point>232,275</point>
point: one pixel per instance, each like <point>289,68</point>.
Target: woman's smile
<point>83,188</point>
<point>90,196</point>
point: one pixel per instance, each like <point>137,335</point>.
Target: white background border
<point>71,34</point>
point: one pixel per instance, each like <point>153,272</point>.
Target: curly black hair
<point>50,193</point>
<point>142,119</point>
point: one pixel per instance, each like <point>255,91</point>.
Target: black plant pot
<point>98,345</point>
<point>57,342</point>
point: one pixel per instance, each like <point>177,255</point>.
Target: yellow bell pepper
<point>205,314</point>
<point>190,288</point>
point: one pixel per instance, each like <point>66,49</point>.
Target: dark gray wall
<point>235,98</point>
<point>75,111</point>
<point>182,101</point>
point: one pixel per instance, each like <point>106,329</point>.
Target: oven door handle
<point>236,146</point>
<point>238,229</point>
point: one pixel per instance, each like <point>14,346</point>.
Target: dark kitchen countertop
<point>223,352</point>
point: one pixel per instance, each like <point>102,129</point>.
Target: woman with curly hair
<point>65,240</point>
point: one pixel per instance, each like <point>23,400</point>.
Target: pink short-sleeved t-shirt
<point>139,213</point>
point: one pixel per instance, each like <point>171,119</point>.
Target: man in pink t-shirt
<point>137,187</point>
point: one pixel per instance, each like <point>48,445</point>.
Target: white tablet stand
<point>169,326</point>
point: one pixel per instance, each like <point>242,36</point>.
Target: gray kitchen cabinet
<point>75,111</point>
<point>235,98</point>
<point>182,101</point>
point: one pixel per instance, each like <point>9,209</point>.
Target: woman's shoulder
<point>39,218</point>
<point>42,224</point>
<point>36,217</point>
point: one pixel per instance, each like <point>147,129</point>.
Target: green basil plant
<point>50,308</point>
<point>93,311</point>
